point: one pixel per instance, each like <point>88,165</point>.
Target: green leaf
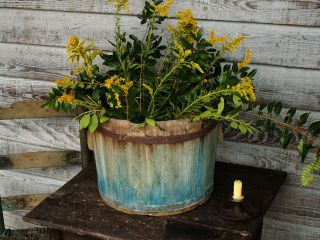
<point>303,149</point>
<point>234,125</point>
<point>260,122</point>
<point>243,128</point>
<point>303,119</point>
<point>84,122</point>
<point>270,107</point>
<point>56,106</point>
<point>94,122</point>
<point>235,67</point>
<point>285,138</point>
<point>220,106</point>
<point>252,73</point>
<point>47,105</point>
<point>290,115</point>
<point>237,100</point>
<point>141,125</point>
<point>261,107</point>
<point>150,121</point>
<point>314,128</point>
<point>104,119</point>
<point>57,92</point>
<point>277,108</point>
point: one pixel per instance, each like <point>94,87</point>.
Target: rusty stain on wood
<point>24,202</point>
<point>30,109</point>
<point>39,159</point>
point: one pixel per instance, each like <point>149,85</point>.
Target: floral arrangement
<point>187,77</point>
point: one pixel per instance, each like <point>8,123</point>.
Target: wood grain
<point>31,109</point>
<point>24,202</point>
<point>284,229</point>
<point>277,11</point>
<point>31,135</point>
<point>21,89</point>
<point>271,82</point>
<point>45,63</point>
<point>260,156</point>
<point>271,44</point>
<point>19,183</point>
<point>39,159</point>
<point>13,220</point>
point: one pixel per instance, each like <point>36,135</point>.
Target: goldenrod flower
<point>73,42</point>
<point>246,60</point>
<point>120,4</point>
<point>215,40</point>
<point>117,97</point>
<point>162,9</point>
<point>65,83</point>
<point>121,82</point>
<point>76,51</point>
<point>126,87</point>
<point>182,53</point>
<point>186,24</point>
<point>197,66</point>
<point>90,71</point>
<point>67,98</point>
<point>110,81</point>
<point>233,45</point>
<point>245,89</point>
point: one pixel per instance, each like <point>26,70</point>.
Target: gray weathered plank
<point>260,156</point>
<point>23,202</point>
<point>45,63</point>
<point>18,136</point>
<point>61,173</point>
<point>277,229</point>
<point>48,64</point>
<point>21,89</point>
<point>272,44</point>
<point>279,12</point>
<point>13,220</point>
<point>39,159</point>
<point>298,200</point>
<point>16,183</point>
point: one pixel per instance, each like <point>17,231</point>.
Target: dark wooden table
<point>76,211</point>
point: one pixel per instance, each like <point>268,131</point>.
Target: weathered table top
<point>78,208</point>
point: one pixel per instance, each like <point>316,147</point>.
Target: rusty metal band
<point>158,139</point>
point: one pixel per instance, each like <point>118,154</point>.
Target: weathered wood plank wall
<point>283,34</point>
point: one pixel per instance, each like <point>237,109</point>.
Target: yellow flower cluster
<point>183,54</point>
<point>246,60</point>
<point>76,51</point>
<point>120,4</point>
<point>120,82</point>
<point>245,89</point>
<point>233,45</point>
<point>186,24</point>
<point>215,40</point>
<point>162,9</point>
<point>67,98</point>
<point>65,83</point>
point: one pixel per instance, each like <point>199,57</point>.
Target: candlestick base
<point>238,210</point>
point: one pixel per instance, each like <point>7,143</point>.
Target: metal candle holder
<point>238,210</point>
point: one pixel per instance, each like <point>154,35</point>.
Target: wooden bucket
<point>162,170</point>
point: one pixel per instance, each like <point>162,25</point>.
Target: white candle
<point>237,190</point>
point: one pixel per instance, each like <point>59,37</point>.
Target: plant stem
<point>152,105</point>
<point>210,95</point>
<point>293,128</point>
